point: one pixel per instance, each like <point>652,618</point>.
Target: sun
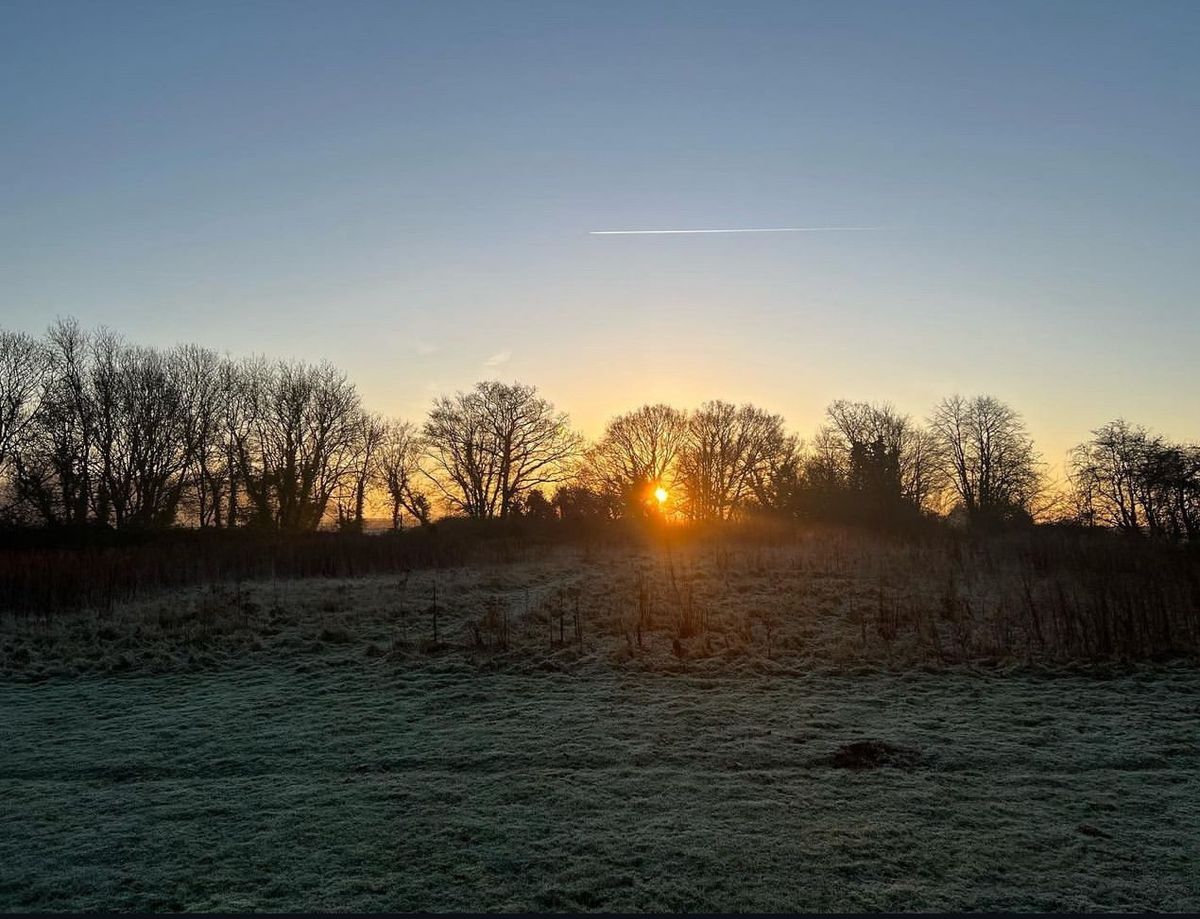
<point>661,495</point>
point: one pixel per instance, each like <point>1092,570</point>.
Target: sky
<point>408,190</point>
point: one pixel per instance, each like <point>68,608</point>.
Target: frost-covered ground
<point>372,786</point>
<point>617,729</point>
<point>816,602</point>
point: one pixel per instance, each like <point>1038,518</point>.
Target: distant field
<point>828,724</point>
<point>368,788</point>
<point>809,601</point>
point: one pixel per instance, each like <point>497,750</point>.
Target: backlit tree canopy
<point>98,432</point>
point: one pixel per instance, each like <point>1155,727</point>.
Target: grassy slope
<point>811,600</point>
<point>374,787</point>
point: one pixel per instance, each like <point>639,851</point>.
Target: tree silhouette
<point>886,457</point>
<point>399,472</point>
<point>988,457</point>
<point>24,364</point>
<point>637,452</point>
<point>489,447</point>
<point>727,448</point>
<point>1131,479</point>
<point>98,432</point>
<point>303,424</point>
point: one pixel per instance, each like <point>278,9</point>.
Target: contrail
<point>725,230</point>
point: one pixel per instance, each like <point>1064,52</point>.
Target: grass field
<point>363,788</point>
<point>695,743</point>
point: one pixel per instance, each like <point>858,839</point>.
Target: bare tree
<point>1128,478</point>
<point>299,447</point>
<point>201,375</point>
<point>776,481</point>
<point>239,401</point>
<point>826,462</point>
<point>885,452</point>
<point>727,447</point>
<point>488,448</point>
<point>987,456</point>
<point>463,462</point>
<point>399,472</point>
<point>368,442</point>
<point>1171,491</point>
<point>53,471</point>
<point>140,436</point>
<point>871,438</point>
<point>637,453</point>
<point>1106,470</point>
<point>922,470</point>
<point>24,363</point>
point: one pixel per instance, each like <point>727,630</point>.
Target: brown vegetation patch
<point>874,754</point>
<point>794,602</point>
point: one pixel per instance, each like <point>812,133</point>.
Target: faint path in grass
<point>368,789</point>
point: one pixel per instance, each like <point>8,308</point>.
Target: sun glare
<point>660,495</point>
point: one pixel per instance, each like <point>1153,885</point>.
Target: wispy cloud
<point>726,230</point>
<point>500,357</point>
<point>425,348</point>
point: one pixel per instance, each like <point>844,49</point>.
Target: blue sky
<point>407,189</point>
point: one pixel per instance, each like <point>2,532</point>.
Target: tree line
<point>96,431</point>
<point>1131,479</point>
